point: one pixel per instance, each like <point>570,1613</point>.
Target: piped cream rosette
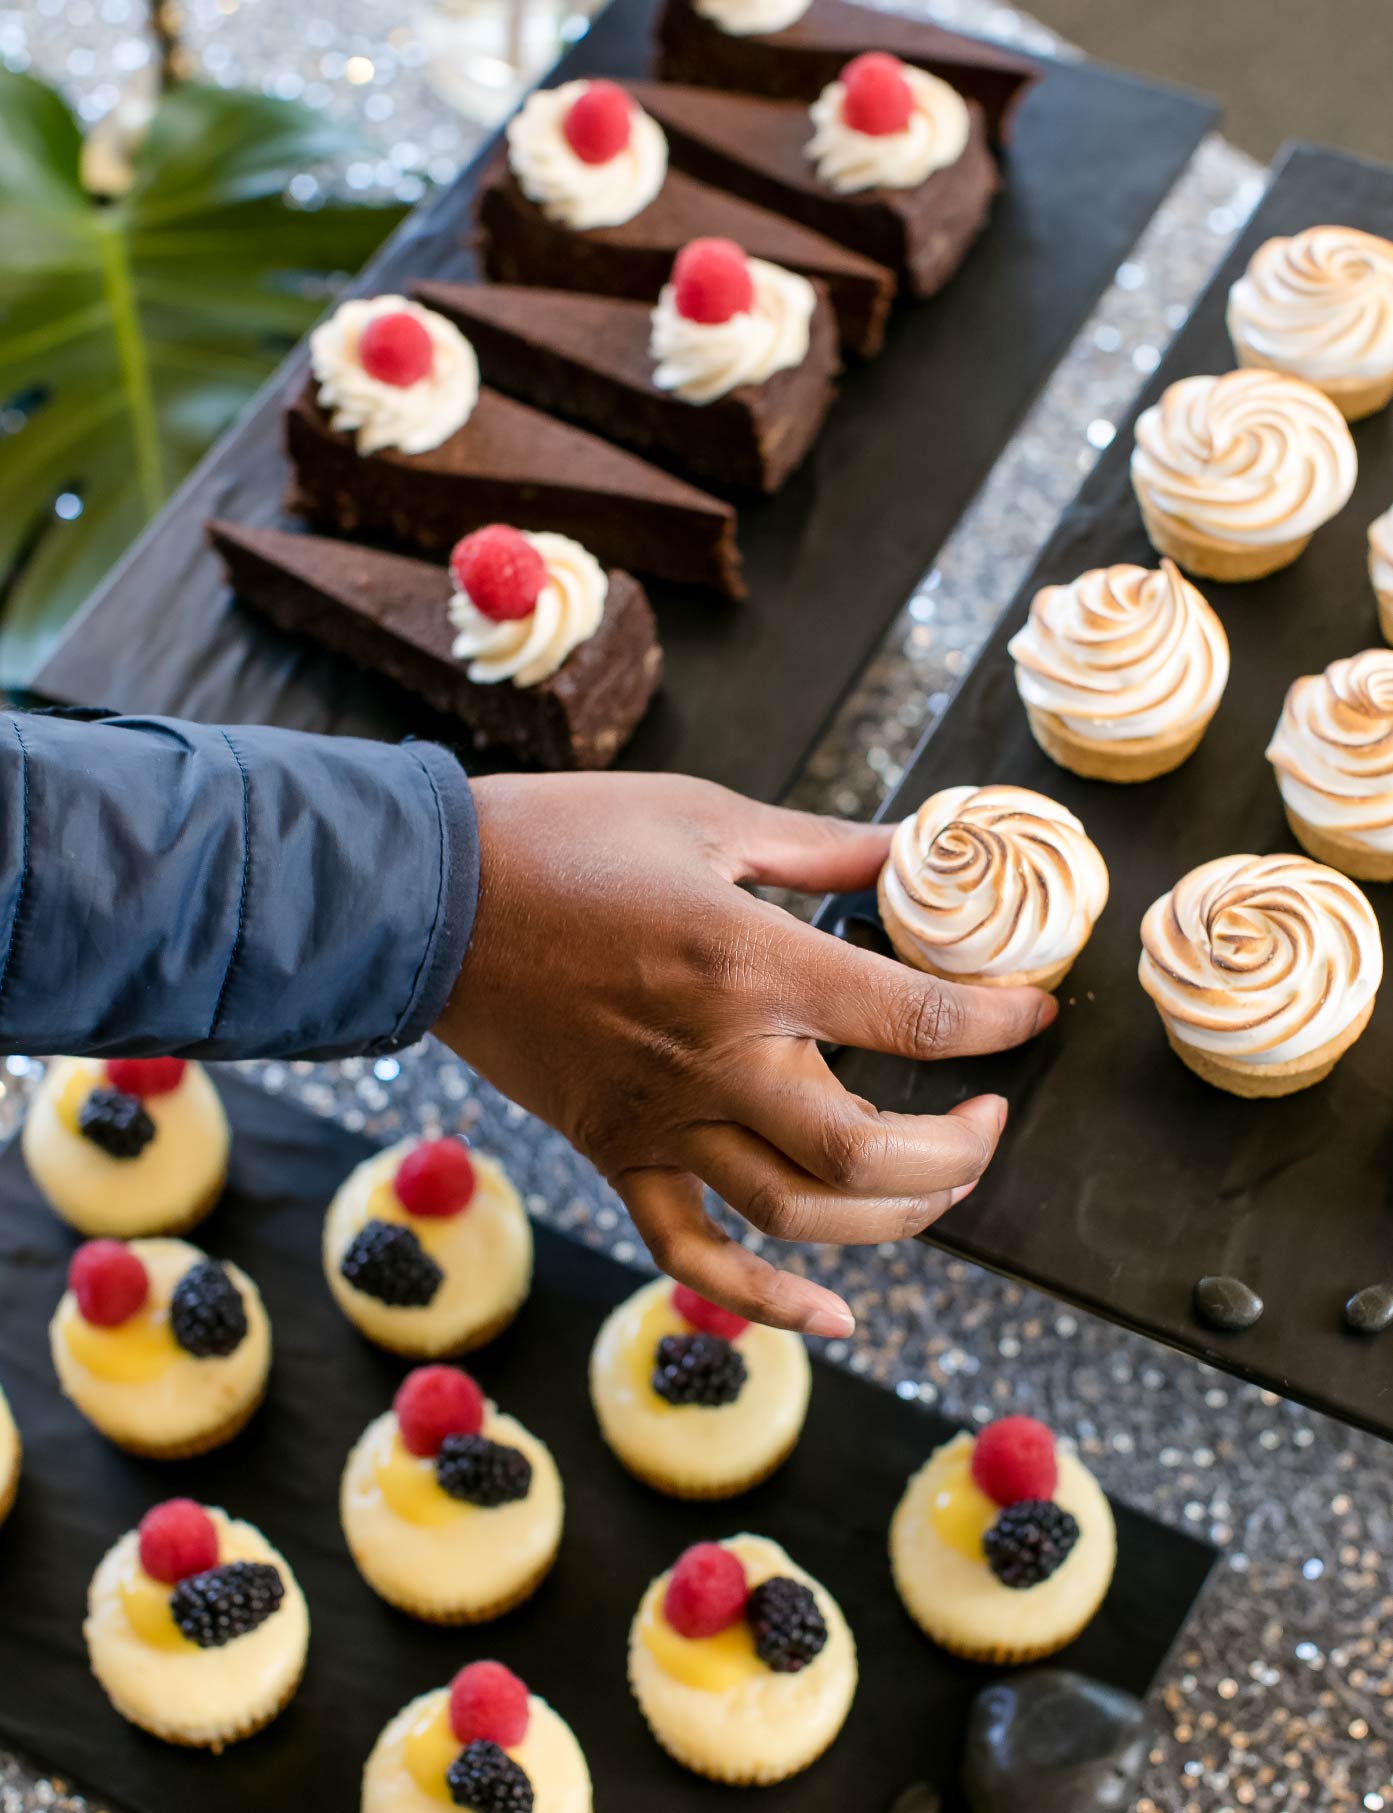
<point>935,135</point>
<point>1333,754</point>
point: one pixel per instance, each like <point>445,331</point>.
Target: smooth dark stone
<point>1227,1303</point>
<point>1054,1742</point>
<point>920,1798</point>
<point>1370,1311</point>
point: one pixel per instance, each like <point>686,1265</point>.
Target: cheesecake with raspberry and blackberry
<point>427,1248</point>
<point>128,1146</point>
<point>485,1742</point>
<point>11,1458</point>
<point>742,1664</point>
<point>393,436</point>
<point>693,1399</point>
<point>1003,1545</point>
<point>451,1509</point>
<point>196,1627</point>
<point>523,637</point>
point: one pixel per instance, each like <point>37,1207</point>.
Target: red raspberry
<point>876,98</point>
<point>706,1591</point>
<point>488,1701</point>
<point>145,1076</point>
<point>711,281</point>
<point>109,1281</point>
<point>598,123</point>
<point>435,1178</point>
<point>1015,1459</point>
<point>177,1539</point>
<point>709,1317</point>
<point>436,1401</point>
<point>500,571</point>
<point>396,349</point>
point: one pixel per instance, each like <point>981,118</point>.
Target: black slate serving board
<point>1122,1178</point>
<point>829,562</point>
<point>830,1507</point>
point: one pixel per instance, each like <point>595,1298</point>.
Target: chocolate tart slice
<point>519,244</point>
<point>797,63</point>
<point>389,614</point>
<point>756,149</point>
<point>587,357</point>
<point>513,464</point>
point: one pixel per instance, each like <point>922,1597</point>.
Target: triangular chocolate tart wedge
<point>513,464</point>
<point>587,357</point>
<point>518,243</point>
<point>757,150</point>
<point>388,613</point>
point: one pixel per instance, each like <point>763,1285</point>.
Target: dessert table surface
<point>1280,1692</point>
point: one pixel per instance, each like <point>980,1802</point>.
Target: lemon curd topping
<point>433,1231</point>
<point>79,1083</point>
<point>430,1747</point>
<point>132,1353</point>
<point>658,1321</point>
<point>961,1512</point>
<point>146,1604</point>
<point>712,1664</point>
<point>408,1484</point>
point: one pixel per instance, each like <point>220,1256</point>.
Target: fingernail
<point>835,1324</point>
<point>1003,1108</point>
<point>963,1189</point>
<point>1047,1013</point>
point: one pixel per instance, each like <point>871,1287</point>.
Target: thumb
<point>781,848</point>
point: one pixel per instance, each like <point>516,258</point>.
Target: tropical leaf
<point>132,331</point>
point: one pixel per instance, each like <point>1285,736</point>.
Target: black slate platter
<point>829,562</point>
<point>830,1507</point>
<point>1122,1178</point>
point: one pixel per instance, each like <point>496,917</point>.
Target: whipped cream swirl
<point>1253,457</point>
<point>1319,304</point>
<point>746,18</point>
<point>994,881</point>
<point>1333,748</point>
<point>1381,553</point>
<point>1124,652</point>
<point>702,360</point>
<point>1261,959</point>
<point>564,186</point>
<point>848,161</point>
<point>528,650</point>
<point>413,418</point>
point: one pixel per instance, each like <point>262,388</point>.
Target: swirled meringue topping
<point>527,650</point>
<point>702,360</point>
<point>1123,652</point>
<point>1381,552</point>
<point>746,18</point>
<point>1319,304</point>
<point>412,418</point>
<point>1333,748</point>
<point>1261,959</point>
<point>992,881</point>
<point>1254,457</point>
<point>564,186</point>
<point>848,161</point>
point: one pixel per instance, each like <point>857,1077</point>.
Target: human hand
<point>624,987</point>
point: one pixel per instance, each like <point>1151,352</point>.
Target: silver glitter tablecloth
<point>1281,1690</point>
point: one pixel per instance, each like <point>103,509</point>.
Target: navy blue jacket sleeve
<point>226,893</point>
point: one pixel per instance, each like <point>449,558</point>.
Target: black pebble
<point>1055,1742</point>
<point>1227,1303</point>
<point>1370,1311</point>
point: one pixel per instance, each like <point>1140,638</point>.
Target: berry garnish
<point>1029,1541</point>
<point>706,1591</point>
<point>711,281</point>
<point>789,1630</point>
<point>387,1261</point>
<point>433,1402</point>
<point>1014,1459</point>
<point>876,98</point>
<point>116,1122</point>
<point>598,123</point>
<point>698,1369</point>
<point>145,1077</point>
<point>221,1603</point>
<point>705,1316</point>
<point>499,571</point>
<point>396,349</point>
<point>109,1281</point>
<point>435,1178</point>
<point>481,1472</point>
<point>206,1314</point>
<point>177,1539</point>
<point>487,1700</point>
<point>486,1779</point>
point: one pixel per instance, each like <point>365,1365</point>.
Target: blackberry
<point>483,1776</point>
<point>206,1312</point>
<point>789,1630</point>
<point>388,1262</point>
<point>484,1472</point>
<point>116,1122</point>
<point>1029,1540</point>
<point>698,1369</point>
<point>226,1602</point>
